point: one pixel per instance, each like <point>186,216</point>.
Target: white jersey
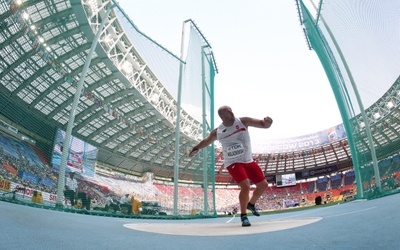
<point>235,142</point>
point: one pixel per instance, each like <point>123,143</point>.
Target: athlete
<point>234,137</point>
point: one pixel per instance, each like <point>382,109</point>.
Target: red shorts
<point>242,171</point>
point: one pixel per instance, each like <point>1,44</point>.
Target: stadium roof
<point>44,46</point>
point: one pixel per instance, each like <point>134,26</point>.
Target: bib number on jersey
<point>235,150</point>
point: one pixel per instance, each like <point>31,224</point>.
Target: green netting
<point>198,99</point>
<point>357,43</point>
<point>194,74</point>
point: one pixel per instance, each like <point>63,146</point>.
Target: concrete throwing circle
<point>220,229</point>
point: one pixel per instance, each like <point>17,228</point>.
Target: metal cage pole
<point>70,125</point>
<point>204,114</point>
<point>178,122</point>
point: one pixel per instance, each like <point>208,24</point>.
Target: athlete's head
<point>226,115</point>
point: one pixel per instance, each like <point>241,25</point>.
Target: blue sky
<point>265,66</point>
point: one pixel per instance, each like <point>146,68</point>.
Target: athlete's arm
<point>253,122</point>
<point>205,142</point>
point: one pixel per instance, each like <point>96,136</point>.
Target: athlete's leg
<point>256,175</point>
<point>238,173</point>
<point>244,195</point>
<point>260,188</point>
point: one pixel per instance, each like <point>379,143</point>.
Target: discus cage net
<point>357,43</point>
